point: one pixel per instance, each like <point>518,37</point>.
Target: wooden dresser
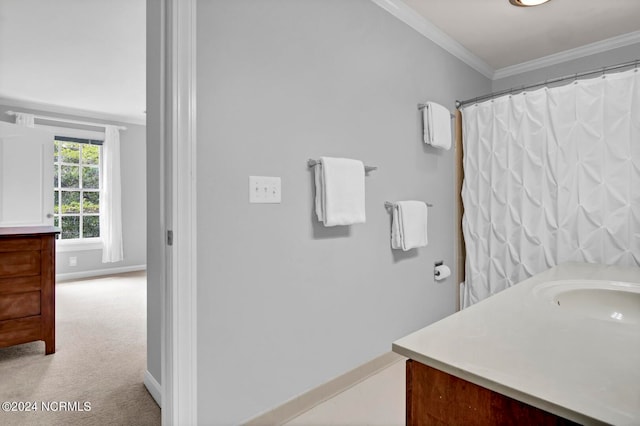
<point>27,285</point>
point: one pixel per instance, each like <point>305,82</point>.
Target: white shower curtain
<point>110,197</point>
<point>551,176</point>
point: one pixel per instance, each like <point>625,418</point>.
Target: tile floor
<point>378,400</point>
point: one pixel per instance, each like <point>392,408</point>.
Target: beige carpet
<point>100,359</point>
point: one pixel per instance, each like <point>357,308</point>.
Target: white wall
<point>285,304</point>
<point>587,63</point>
<point>133,169</point>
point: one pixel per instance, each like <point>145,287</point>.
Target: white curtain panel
<point>110,197</point>
<point>551,176</point>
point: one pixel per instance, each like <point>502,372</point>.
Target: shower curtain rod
<point>575,76</point>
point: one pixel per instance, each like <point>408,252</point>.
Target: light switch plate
<point>265,190</point>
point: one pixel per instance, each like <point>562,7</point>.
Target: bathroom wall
<point>285,304</point>
<point>133,170</point>
<point>588,63</point>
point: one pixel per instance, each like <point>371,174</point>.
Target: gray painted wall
<point>285,304</point>
<point>588,63</point>
<point>155,176</point>
<point>134,210</point>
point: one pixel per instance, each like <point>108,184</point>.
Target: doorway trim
<point>179,316</point>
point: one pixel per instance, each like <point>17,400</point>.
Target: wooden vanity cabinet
<point>27,285</point>
<point>437,398</point>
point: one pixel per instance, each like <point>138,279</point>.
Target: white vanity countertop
<point>520,344</point>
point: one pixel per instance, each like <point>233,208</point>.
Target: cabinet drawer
<point>19,263</point>
<point>19,305</point>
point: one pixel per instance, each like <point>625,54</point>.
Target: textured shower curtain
<point>551,176</point>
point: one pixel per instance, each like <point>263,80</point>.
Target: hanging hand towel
<point>409,227</point>
<point>437,125</point>
<point>340,191</point>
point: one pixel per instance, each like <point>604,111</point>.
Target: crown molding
<point>569,55</point>
<point>21,103</point>
<point>416,21</point>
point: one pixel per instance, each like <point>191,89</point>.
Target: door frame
<point>179,297</point>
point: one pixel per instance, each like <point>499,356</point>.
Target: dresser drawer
<point>19,305</point>
<point>19,263</point>
<point>20,244</point>
<point>20,284</point>
<point>21,330</point>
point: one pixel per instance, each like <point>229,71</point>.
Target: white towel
<point>340,191</point>
<point>409,227</point>
<point>437,125</point>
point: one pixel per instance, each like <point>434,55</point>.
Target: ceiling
<point>503,35</point>
<point>89,55</point>
<point>84,55</point>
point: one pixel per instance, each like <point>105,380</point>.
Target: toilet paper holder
<point>436,273</point>
<point>440,271</point>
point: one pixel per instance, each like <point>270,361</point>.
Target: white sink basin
<point>603,300</point>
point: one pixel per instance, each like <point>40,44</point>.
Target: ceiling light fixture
<point>527,3</point>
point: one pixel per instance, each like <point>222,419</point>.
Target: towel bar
<point>389,204</point>
<point>422,106</point>
<point>367,169</point>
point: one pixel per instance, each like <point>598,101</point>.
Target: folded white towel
<point>340,191</point>
<point>409,227</point>
<point>437,125</point>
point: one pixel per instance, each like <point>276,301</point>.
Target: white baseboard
<point>99,272</point>
<point>153,387</point>
<point>302,403</point>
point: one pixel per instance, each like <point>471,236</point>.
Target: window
<point>77,187</point>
